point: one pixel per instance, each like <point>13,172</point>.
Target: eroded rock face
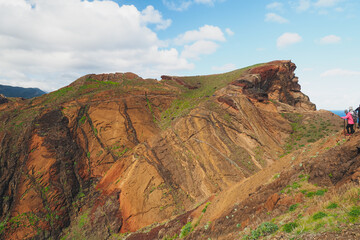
<point>100,157</point>
<point>274,81</point>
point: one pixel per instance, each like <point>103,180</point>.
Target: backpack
<point>353,114</point>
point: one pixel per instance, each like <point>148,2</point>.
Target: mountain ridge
<point>11,91</point>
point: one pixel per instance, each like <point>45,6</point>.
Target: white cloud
<point>177,5</point>
<point>201,47</point>
<point>182,5</point>
<point>272,17</point>
<point>275,6</point>
<point>209,2</point>
<point>225,68</point>
<point>150,15</point>
<point>206,32</point>
<point>229,32</point>
<point>330,39</point>
<point>326,3</point>
<point>339,9</point>
<point>201,41</point>
<point>42,41</point>
<point>338,72</point>
<point>303,5</point>
<point>321,5</point>
<point>288,39</point>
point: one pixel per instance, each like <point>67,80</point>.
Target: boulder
<point>3,99</point>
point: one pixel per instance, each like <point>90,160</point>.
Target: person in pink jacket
<point>350,122</point>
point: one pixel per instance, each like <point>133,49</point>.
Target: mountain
<point>9,91</point>
<point>226,156</point>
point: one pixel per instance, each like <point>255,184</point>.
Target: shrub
<point>321,192</point>
<point>332,206</point>
<point>310,194</point>
<point>319,215</point>
<point>206,206</point>
<point>289,227</point>
<point>293,207</point>
<point>185,230</point>
<point>264,229</point>
<point>82,119</point>
<point>355,212</point>
<point>295,185</point>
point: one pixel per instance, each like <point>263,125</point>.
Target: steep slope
<point>114,153</point>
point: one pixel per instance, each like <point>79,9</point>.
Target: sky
<point>50,43</point>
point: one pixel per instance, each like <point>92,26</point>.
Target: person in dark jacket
<point>358,112</point>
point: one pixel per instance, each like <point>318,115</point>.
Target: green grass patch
<point>293,207</point>
<point>186,230</point>
<point>264,229</point>
<point>332,206</point>
<point>206,206</point>
<point>319,215</point>
<point>289,227</point>
<point>354,212</point>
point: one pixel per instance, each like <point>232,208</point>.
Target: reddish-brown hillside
<point>114,154</point>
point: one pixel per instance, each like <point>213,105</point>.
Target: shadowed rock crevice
<point>131,132</point>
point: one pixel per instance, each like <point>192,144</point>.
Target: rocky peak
<point>274,81</point>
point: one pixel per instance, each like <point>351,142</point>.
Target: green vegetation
<point>264,229</point>
<point>332,212</point>
<point>190,98</point>
<point>289,188</point>
<point>293,207</point>
<point>319,192</point>
<point>83,220</point>
<point>289,227</point>
<point>319,215</point>
<point>185,230</point>
<point>119,150</point>
<point>150,108</point>
<point>82,120</point>
<point>354,214</point>
<point>332,206</point>
<point>206,206</point>
<point>3,225</point>
<point>305,130</point>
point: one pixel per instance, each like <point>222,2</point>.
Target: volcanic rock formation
<point>114,153</point>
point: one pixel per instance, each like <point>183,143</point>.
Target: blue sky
<point>50,43</point>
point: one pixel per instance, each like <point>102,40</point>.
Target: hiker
<point>358,112</point>
<point>350,123</point>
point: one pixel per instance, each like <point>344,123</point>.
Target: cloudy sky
<point>50,43</point>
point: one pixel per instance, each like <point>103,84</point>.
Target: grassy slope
<point>189,99</point>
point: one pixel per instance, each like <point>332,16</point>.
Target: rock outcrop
<point>3,99</point>
<point>114,153</point>
<point>275,81</point>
